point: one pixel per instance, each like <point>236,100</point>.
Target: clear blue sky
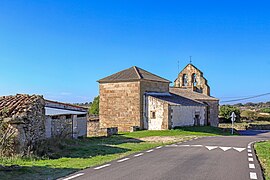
<point>61,48</point>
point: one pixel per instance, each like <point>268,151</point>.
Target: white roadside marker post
<point>233,116</point>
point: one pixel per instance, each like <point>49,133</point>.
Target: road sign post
<point>233,116</point>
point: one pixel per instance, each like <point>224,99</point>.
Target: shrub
<point>265,110</point>
<point>225,111</point>
<point>6,138</point>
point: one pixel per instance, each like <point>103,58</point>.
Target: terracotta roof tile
<point>18,104</point>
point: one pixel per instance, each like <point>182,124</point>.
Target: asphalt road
<point>211,158</point>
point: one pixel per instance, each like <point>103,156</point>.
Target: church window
<point>153,115</point>
<point>185,80</point>
<point>194,79</point>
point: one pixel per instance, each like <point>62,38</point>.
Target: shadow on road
<point>252,132</point>
<point>34,172</point>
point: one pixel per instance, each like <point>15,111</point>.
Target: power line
<point>260,95</point>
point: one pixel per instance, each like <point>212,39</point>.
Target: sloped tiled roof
<point>132,74</point>
<point>191,94</point>
<point>174,99</point>
<point>18,104</point>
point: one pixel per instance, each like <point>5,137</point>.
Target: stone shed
<point>25,115</point>
<point>65,120</point>
<point>121,97</point>
<point>167,110</point>
<point>31,119</point>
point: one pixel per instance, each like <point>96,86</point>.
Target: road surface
<point>209,158</point>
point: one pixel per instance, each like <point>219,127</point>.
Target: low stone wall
<point>93,129</point>
<point>112,131</point>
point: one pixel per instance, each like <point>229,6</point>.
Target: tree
<point>226,110</point>
<point>265,110</point>
<point>94,108</point>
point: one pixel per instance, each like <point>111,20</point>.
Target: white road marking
<point>151,150</point>
<point>140,154</point>
<point>249,154</point>
<point>248,147</point>
<point>225,148</point>
<point>251,166</point>
<point>211,147</point>
<point>158,147</point>
<point>253,175</point>
<point>196,145</point>
<point>74,176</point>
<point>239,149</point>
<point>184,145</point>
<point>100,167</point>
<point>122,160</point>
<point>250,159</point>
<point>249,150</point>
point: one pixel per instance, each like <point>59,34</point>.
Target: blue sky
<point>61,48</point>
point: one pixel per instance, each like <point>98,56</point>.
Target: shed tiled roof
<point>18,104</point>
<point>174,99</point>
<point>132,74</point>
<point>191,94</point>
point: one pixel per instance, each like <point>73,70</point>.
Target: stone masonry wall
<point>156,106</point>
<point>119,105</point>
<point>61,127</point>
<point>150,86</point>
<point>93,128</point>
<point>201,86</point>
<point>30,126</point>
<point>166,123</point>
<point>214,111</point>
<point>185,115</point>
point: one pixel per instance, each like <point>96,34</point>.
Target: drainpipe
<point>145,110</point>
<point>72,132</point>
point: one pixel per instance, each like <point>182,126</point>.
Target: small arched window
<point>194,80</point>
<point>185,80</point>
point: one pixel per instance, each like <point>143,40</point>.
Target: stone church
<point>136,98</point>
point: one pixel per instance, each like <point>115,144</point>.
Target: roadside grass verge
<point>68,156</point>
<point>263,152</point>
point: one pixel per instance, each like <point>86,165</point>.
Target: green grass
<point>184,131</point>
<point>263,152</point>
<point>68,156</point>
